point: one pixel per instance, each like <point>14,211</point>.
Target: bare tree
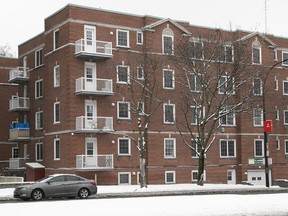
<point>5,51</point>
<point>215,82</point>
<point>145,98</point>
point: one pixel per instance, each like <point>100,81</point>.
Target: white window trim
<point>128,74</point>
<point>234,141</point>
<point>285,81</point>
<point>129,178</point>
<point>285,111</point>
<point>254,117</point>
<point>174,177</point>
<point>283,63</point>
<point>262,155</point>
<point>54,39</point>
<point>174,148</point>
<point>129,147</point>
<point>36,152</point>
<point>117,32</point>
<point>55,104</point>
<point>37,115</point>
<point>140,78</point>
<point>196,171</point>
<point>129,114</point>
<point>139,33</point>
<point>285,147</point>
<point>36,89</point>
<point>174,113</point>
<point>57,67</point>
<point>196,108</point>
<point>55,141</point>
<point>36,55</point>
<point>173,79</point>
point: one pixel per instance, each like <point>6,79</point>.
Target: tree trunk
<point>143,182</point>
<point>200,176</point>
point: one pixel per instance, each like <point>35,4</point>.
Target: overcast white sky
<point>22,19</point>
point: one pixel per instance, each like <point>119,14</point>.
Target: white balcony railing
<point>17,163</point>
<point>19,134</point>
<point>94,86</point>
<point>94,162</point>
<point>94,124</point>
<point>101,49</point>
<point>19,74</point>
<point>19,103</point>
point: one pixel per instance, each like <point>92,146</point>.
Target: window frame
<point>169,148</point>
<point>227,148</point>
<point>167,34</point>
<point>285,87</point>
<point>195,116</point>
<point>173,173</point>
<point>285,117</point>
<point>257,88</point>
<point>38,57</point>
<point>140,73</point>
<point>56,80</point>
<point>223,85</point>
<point>56,112</point>
<point>128,146</point>
<point>227,118</point>
<point>257,118</point>
<point>255,148</point>
<point>39,89</point>
<point>127,81</point>
<point>172,81</point>
<point>139,38</point>
<point>39,151</point>
<point>256,55</point>
<point>284,63</point>
<point>56,34</point>
<point>164,113</point>
<point>128,110</point>
<point>57,149</point>
<point>126,45</point>
<point>128,175</point>
<point>39,118</point>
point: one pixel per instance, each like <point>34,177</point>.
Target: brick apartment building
<point>73,103</point>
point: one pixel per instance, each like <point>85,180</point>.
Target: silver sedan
<point>58,185</point>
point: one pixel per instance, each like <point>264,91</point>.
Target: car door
<point>55,186</point>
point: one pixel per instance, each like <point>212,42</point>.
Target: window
<point>57,149</point>
<point>140,108</point>
<point>122,38</point>
<point>168,79</point>
<point>285,87</point>
<point>169,113</point>
<point>286,146</point>
<point>258,116</point>
<point>228,53</point>
<point>226,85</point>
<point>169,148</point>
<point>277,117</point>
<point>140,73</point>
<point>275,55</point>
<point>38,89</point>
<point>39,120</point>
<point>227,148</point>
<point>256,53</point>
<point>38,57</point>
<point>139,38</point>
<point>56,39</point>
<point>257,86</point>
<point>198,114</point>
<point>124,178</point>
<point>276,85</point>
<point>167,41</point>
<point>277,144</point>
<point>285,117</point>
<point>57,112</point>
<point>57,76</point>
<point>124,146</point>
<point>15,152</point>
<point>196,147</point>
<point>123,110</point>
<point>228,119</point>
<point>194,82</point>
<point>196,50</point>
<point>123,74</point>
<point>194,175</point>
<point>170,177</point>
<point>285,58</point>
<point>39,151</point>
<point>258,148</point>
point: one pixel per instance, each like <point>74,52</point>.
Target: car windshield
<point>44,179</point>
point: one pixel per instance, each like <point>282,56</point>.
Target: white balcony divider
<point>94,161</point>
<point>96,86</point>
<point>102,48</point>
<point>17,163</point>
<point>19,103</point>
<point>101,124</point>
<point>19,72</point>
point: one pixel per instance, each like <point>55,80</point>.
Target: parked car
<point>58,185</point>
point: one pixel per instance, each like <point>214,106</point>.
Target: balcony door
<point>91,152</point>
<point>90,114</point>
<point>90,38</point>
<point>90,76</point>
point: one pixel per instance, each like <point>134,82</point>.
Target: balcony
<point>94,162</point>
<point>18,163</point>
<point>19,75</point>
<point>92,48</point>
<point>86,86</point>
<point>19,103</point>
<point>94,124</point>
<point>19,132</point>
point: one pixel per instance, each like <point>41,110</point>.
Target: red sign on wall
<point>268,127</point>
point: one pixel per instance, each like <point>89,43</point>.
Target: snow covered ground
<point>217,204</point>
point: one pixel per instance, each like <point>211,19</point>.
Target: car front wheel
<point>83,193</point>
<point>37,194</point>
